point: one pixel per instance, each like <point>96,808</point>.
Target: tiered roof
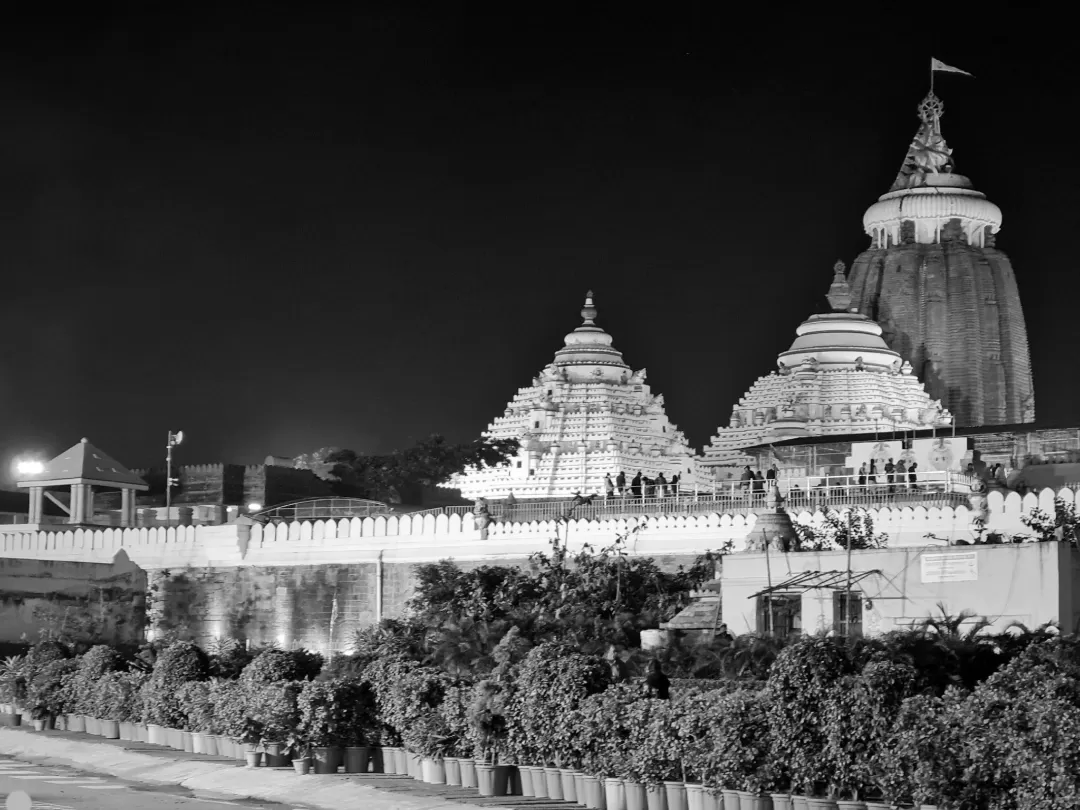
<point>839,377</point>
<point>586,414</point>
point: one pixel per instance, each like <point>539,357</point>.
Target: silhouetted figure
<point>674,485</point>
<point>620,483</point>
<point>656,682</point>
<point>635,485</point>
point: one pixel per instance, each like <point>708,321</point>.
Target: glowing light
<point>29,466</point>
<point>254,507</point>
<point>281,639</point>
<point>149,633</point>
<point>217,631</point>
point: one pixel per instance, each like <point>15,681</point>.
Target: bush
<point>328,714</point>
<point>228,657</point>
<point>94,665</point>
<point>48,694</point>
<point>229,701</point>
<point>606,736</point>
<point>195,703</point>
<point>454,709</point>
<point>404,690</point>
<point>273,665</point>
<point>273,706</point>
<point>179,663</point>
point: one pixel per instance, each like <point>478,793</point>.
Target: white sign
<point>954,567</point>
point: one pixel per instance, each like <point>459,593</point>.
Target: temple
<point>587,414</point>
<point>945,296</point>
<point>838,378</point>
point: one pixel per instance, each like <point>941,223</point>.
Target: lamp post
<point>170,482</point>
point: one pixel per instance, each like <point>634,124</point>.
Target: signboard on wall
<point>954,567</point>
<point>932,455</point>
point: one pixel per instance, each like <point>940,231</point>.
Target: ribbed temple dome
<point>589,345</point>
<point>839,339</point>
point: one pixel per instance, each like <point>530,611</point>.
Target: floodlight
<point>254,507</point>
<point>29,467</point>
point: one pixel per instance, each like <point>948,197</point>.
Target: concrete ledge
<point>156,765</point>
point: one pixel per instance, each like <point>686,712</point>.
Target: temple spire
<point>839,292</point>
<point>588,312</point>
<point>928,153</point>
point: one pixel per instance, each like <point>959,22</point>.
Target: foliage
<point>454,709</point>
<point>741,758</point>
<point>176,665</point>
<point>12,681</point>
<point>47,694</point>
<point>487,719</point>
<point>197,707</point>
<point>229,701</point>
<point>550,685</point>
<point>400,474</point>
<point>228,657</point>
<point>606,733</point>
<point>273,665</point>
<point>1064,524</point>
<point>404,690</point>
<point>800,684</point>
<point>429,735</point>
<point>836,530</point>
<point>130,709</point>
<point>274,707</point>
<point>97,662</point>
<point>322,713</point>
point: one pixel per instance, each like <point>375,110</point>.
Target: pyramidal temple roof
<point>84,463</point>
<point>585,415</point>
<point>839,377</point>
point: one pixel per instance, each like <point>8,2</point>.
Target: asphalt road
<point>58,788</point>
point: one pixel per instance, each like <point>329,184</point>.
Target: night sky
<point>278,232</point>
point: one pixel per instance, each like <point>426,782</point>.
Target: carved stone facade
<point>945,296</point>
<point>585,415</point>
<point>838,378</point>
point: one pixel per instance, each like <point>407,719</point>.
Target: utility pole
<point>170,482</point>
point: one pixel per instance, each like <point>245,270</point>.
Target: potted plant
<point>131,706</point>
<point>487,727</point>
<point>323,720</point>
<point>230,705</point>
<point>195,699</point>
<point>300,750</point>
<point>10,674</point>
<point>277,706</point>
<point>110,694</point>
<point>250,738</point>
<point>357,722</point>
<point>47,696</point>
<point>454,712</point>
<point>430,737</point>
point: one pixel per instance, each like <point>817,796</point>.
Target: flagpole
<point>931,75</point>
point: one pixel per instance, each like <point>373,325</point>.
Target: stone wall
<point>90,599</point>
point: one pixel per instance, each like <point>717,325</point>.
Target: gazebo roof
<point>85,464</point>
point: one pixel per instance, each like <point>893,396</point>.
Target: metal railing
<point>742,497</point>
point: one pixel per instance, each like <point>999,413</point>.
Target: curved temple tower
<point>945,296</point>
<point>586,414</point>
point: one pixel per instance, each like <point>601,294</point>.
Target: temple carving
<point>585,415</point>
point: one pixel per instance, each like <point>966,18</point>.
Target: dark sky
<point>283,230</point>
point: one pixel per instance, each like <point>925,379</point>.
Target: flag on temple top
<point>937,64</point>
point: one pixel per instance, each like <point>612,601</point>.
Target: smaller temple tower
<point>838,378</point>
<point>585,415</point>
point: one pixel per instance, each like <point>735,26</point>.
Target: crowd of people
<point>641,486</point>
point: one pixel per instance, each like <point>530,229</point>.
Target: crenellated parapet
<point>430,537</point>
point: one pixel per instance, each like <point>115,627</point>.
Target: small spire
<point>928,153</point>
<point>588,312</point>
<point>839,292</point>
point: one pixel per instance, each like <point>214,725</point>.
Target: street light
<point>29,467</point>
<point>254,507</point>
<point>170,482</point>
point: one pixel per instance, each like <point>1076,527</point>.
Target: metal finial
<point>588,312</point>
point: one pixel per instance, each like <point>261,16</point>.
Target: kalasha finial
<point>839,292</point>
<point>588,312</point>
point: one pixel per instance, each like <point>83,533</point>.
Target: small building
<point>896,588</point>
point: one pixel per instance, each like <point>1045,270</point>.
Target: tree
<point>1064,524</point>
<point>400,475</point>
<point>836,529</point>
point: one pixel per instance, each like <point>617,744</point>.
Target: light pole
<point>170,482</point>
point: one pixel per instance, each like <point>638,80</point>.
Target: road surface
<point>57,788</point>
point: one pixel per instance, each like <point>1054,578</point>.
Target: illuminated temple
<point>585,415</point>
<point>838,378</point>
<point>945,296</point>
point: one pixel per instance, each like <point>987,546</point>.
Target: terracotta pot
<point>187,744</point>
<point>818,803</point>
<point>731,799</point>
<point>614,794</point>
<point>357,758</point>
<point>799,802</point>
<point>302,766</point>
<point>781,801</point>
<point>93,726</point>
<point>324,760</point>
<point>594,792</point>
<point>491,780</point>
<point>453,771</point>
<point>142,734</point>
<point>155,734</point>
<point>127,731</point>
<point>553,780</point>
<point>27,718</point>
<point>676,795</point>
<point>10,719</point>
<point>39,725</point>
<point>569,788</point>
<point>60,722</point>
<point>842,804</point>
<point>175,737</point>
<point>76,722</point>
<point>468,772</point>
<point>526,776</point>
<point>110,729</point>
<point>434,770</point>
<point>636,796</point>
<point>695,796</point>
<point>656,797</point>
<point>252,758</point>
<point>754,801</point>
<point>878,806</point>
<point>712,800</point>
<point>415,768</point>
<point>210,743</point>
<point>401,761</point>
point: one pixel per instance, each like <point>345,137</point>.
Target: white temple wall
<point>428,537</point>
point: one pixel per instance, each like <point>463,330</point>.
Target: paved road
<point>58,788</point>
